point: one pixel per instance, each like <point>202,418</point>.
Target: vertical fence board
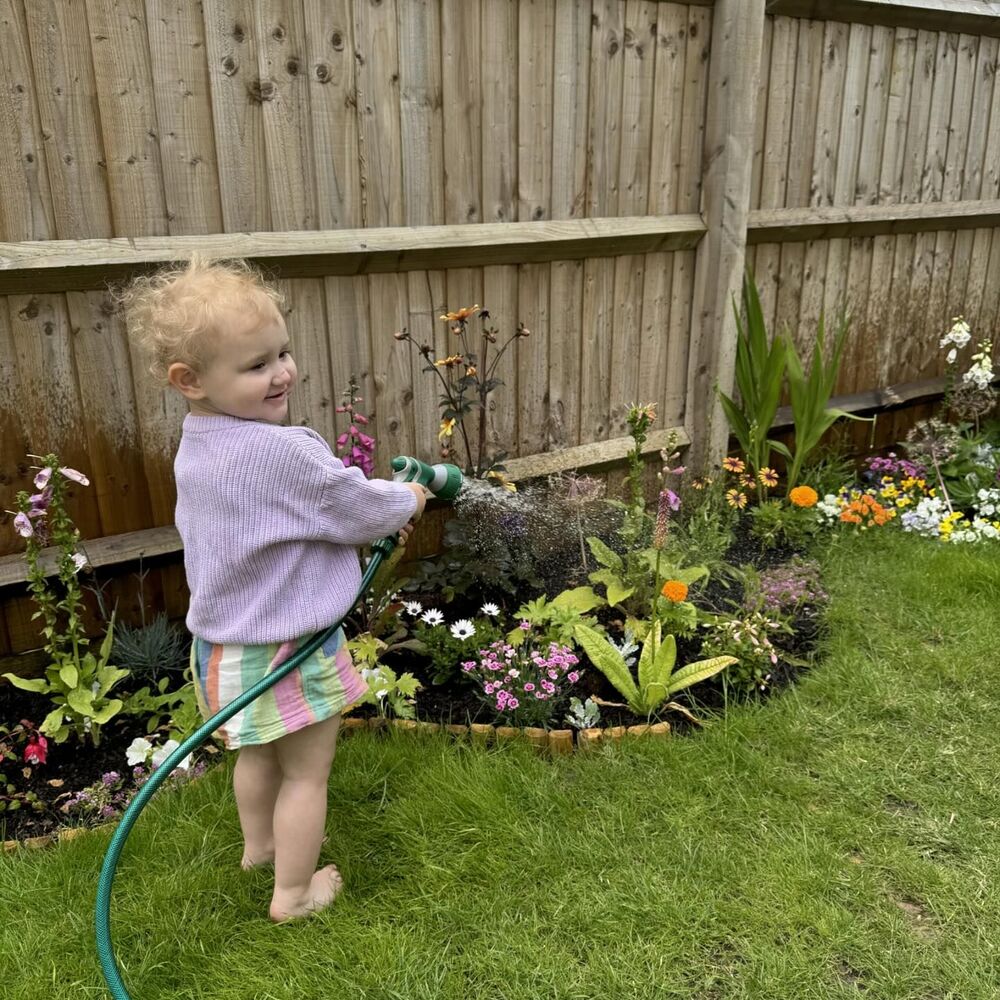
<point>25,198</point>
<point>962,297</point>
<point>15,436</point>
<point>232,43</point>
<point>67,102</point>
<point>603,152</point>
<point>333,99</point>
<point>774,171</point>
<point>392,368</point>
<point>463,115</point>
<point>284,93</point>
<point>805,105</point>
<point>107,403</point>
<point>313,400</point>
<point>499,113</point>
<point>639,64</point>
<point>46,373</point>
<point>349,337</point>
<point>378,111</point>
<point>184,116</point>
<point>571,62</point>
<point>500,297</point>
<point>125,94</point>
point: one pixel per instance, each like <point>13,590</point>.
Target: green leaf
<point>407,685</point>
<point>108,711</point>
<point>69,675</point>
<point>652,697</point>
<point>647,657</point>
<point>663,664</point>
<point>618,592</point>
<point>608,660</point>
<point>605,556</point>
<point>81,701</point>
<point>37,684</point>
<point>699,671</point>
<point>109,638</point>
<point>581,599</point>
<point>52,722</point>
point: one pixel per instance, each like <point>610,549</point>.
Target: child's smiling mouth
<point>278,396</point>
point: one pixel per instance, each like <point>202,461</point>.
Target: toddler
<point>271,521</point>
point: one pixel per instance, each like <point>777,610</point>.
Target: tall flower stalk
<point>77,682</point>
<point>468,378</point>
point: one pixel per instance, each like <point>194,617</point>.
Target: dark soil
<point>72,765</point>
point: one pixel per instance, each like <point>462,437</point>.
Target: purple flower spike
<point>42,479</point>
<point>23,526</point>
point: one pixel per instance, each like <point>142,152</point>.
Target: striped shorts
<point>325,684</point>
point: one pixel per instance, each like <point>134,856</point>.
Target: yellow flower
<point>470,371</point>
<point>732,464</point>
<point>450,362</point>
<point>501,480</point>
<point>768,477</point>
<point>736,499</point>
<point>447,429</point>
<point>460,315</point>
<point>803,496</point>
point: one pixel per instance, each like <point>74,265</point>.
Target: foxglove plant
<point>354,447</point>
<point>78,683</point>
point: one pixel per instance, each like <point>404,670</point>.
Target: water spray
<point>444,481</point>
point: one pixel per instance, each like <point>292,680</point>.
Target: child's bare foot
<point>323,889</point>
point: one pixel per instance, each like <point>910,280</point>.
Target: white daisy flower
<point>432,617</point>
<point>490,609</point>
<point>412,607</point>
<point>463,628</point>
<point>160,755</point>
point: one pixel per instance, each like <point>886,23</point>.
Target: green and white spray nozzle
<point>443,480</point>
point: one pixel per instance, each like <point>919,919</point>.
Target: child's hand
<point>421,494</point>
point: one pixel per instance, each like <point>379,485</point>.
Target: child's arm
<point>357,511</point>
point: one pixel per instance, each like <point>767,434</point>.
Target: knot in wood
<point>261,90</point>
<point>323,73</point>
<point>229,65</point>
<point>337,40</point>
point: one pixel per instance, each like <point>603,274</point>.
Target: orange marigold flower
<point>460,315</point>
<point>449,362</point>
<point>803,496</point>
<point>675,590</point>
<point>736,498</point>
<point>731,464</point>
<point>768,477</point>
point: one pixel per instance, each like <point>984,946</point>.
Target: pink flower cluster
<point>519,682</point>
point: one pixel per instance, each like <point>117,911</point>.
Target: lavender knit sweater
<point>271,521</point>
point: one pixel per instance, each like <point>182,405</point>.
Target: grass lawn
<point>841,841</point>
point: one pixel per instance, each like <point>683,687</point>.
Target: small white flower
<point>138,751</point>
<point>79,560</point>
<point>513,672</point>
<point>951,355</point>
<point>413,607</point>
<point>489,609</point>
<point>160,755</point>
<point>381,693</point>
<point>463,628</point>
<point>432,617</point>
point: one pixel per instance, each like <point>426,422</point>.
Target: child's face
<point>250,375</point>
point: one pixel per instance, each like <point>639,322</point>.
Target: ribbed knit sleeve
<point>354,510</point>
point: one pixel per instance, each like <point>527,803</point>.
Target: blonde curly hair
<point>173,314</point>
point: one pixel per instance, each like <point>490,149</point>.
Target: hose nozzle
<point>443,480</point>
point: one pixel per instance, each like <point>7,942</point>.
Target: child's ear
<point>185,380</point>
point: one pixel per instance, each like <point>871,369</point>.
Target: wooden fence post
<point>733,75</point>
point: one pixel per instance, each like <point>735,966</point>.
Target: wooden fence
<point>600,170</point>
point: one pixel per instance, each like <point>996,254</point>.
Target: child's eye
<point>286,354</point>
<point>257,367</point>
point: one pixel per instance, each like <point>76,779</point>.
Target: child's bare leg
<point>256,780</point>
<point>305,758</point>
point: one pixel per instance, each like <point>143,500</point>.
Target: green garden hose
<point>447,485</point>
